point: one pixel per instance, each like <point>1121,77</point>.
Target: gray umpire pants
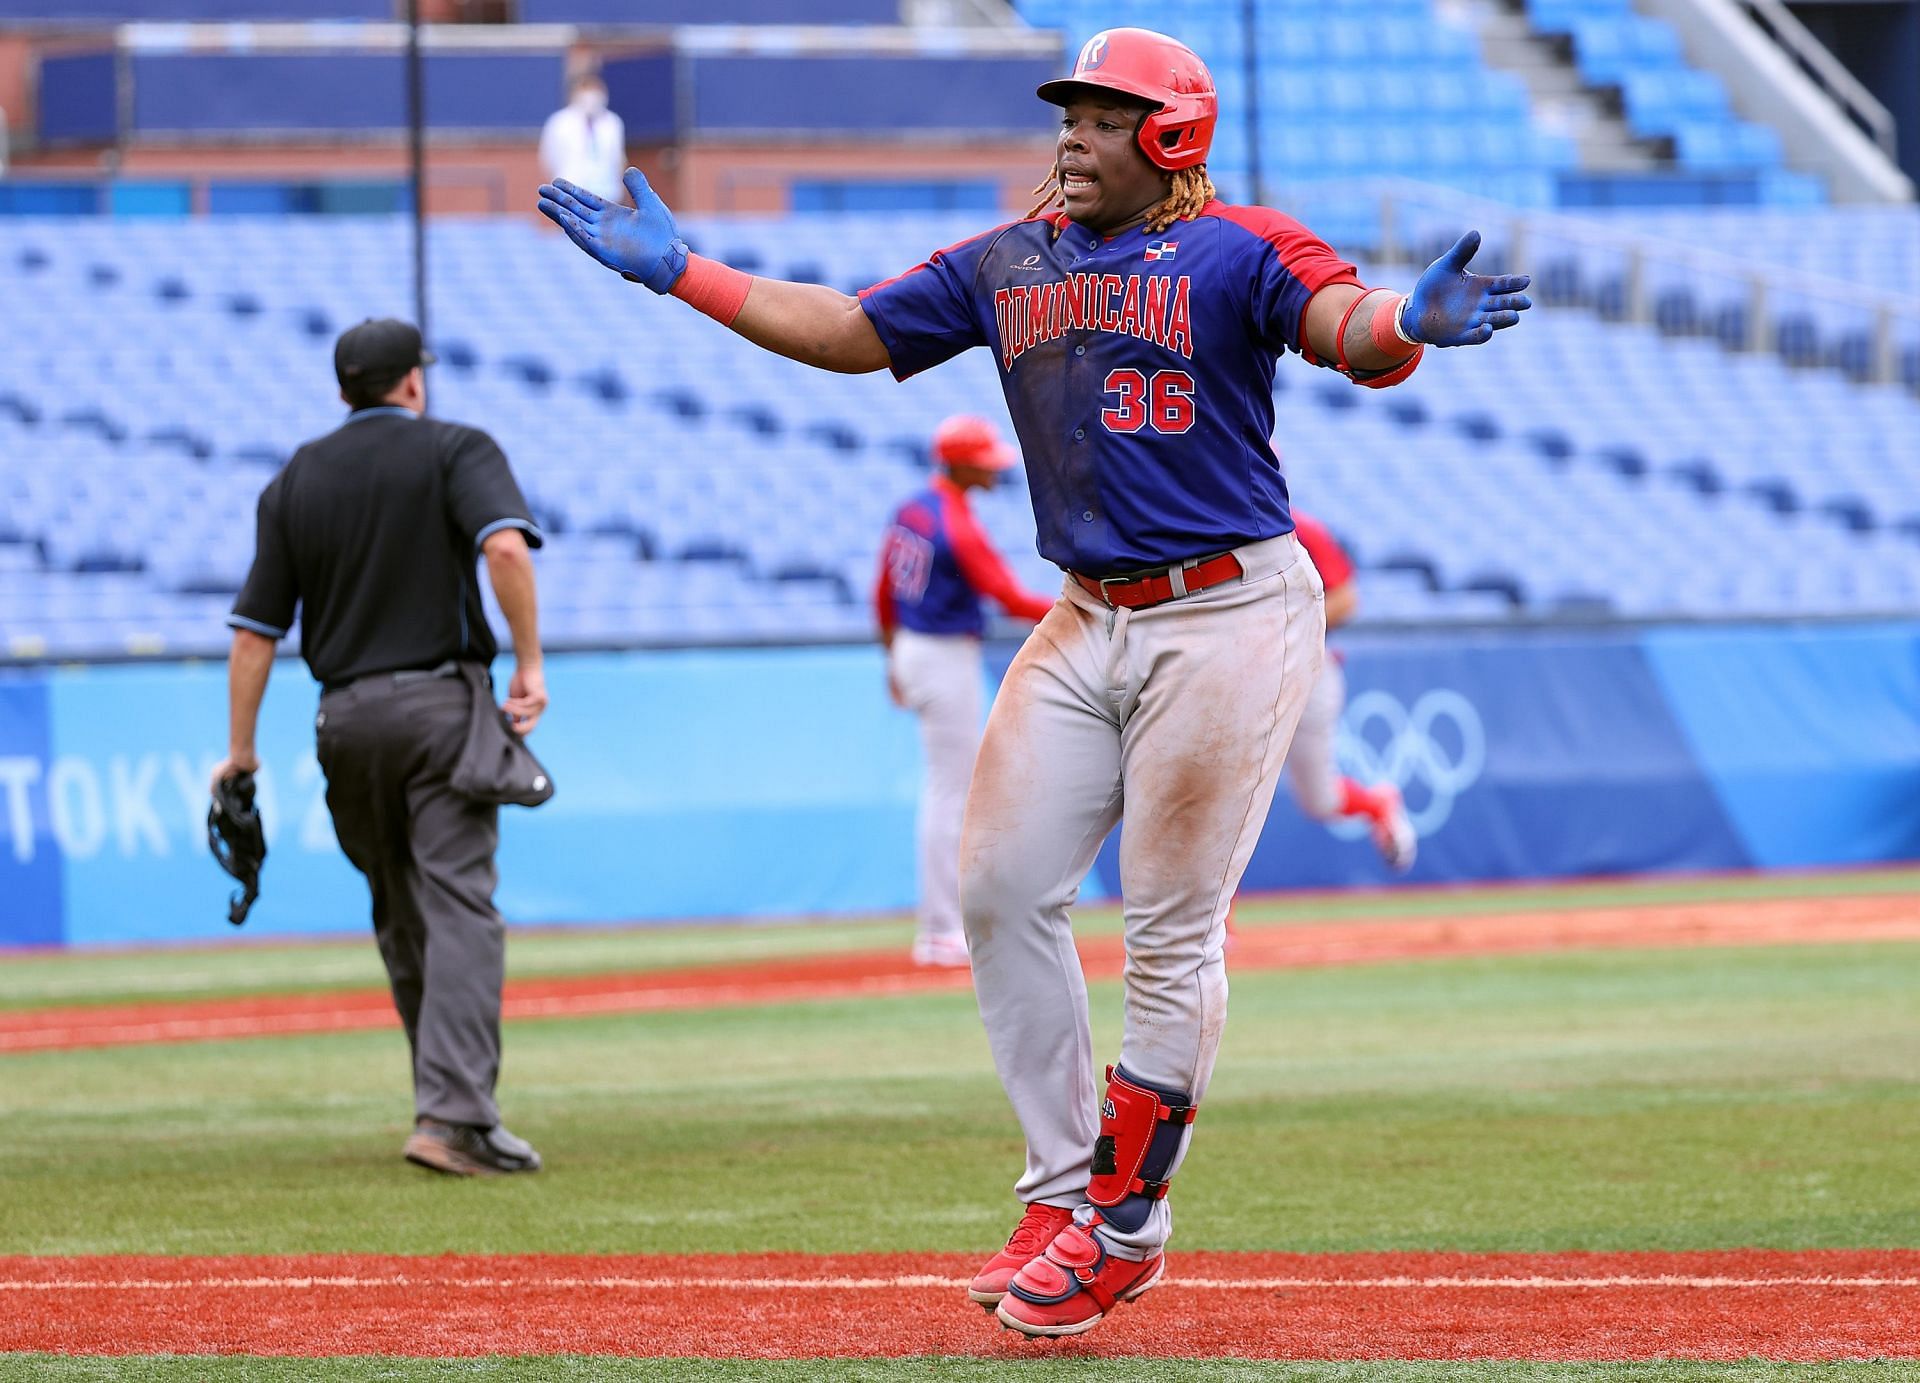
<point>387,748</point>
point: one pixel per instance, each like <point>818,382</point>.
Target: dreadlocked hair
<point>1192,189</point>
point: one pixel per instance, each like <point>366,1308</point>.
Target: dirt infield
<point>1817,1305</point>
<point>868,973</point>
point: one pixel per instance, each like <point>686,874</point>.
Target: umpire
<point>371,532</point>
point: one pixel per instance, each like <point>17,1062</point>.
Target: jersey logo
<point>1162,249</point>
<point>1031,264</point>
<point>1093,55</point>
<point>909,564</point>
<point>1153,308</point>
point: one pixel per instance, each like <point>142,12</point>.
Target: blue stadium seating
<point>1347,89</point>
<point>1875,247</point>
<point>154,373</point>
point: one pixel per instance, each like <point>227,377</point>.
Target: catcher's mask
<point>237,839</point>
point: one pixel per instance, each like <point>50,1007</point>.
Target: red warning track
<point>868,973</point>
<point>1843,1304</point>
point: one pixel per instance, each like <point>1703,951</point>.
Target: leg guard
<point>1141,1130</point>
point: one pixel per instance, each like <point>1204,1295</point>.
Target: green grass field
<point>251,966</point>
<point>1607,1100</point>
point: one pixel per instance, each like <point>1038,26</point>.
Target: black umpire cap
<point>379,348</point>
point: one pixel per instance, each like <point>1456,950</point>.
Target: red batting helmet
<point>964,440</point>
<point>1150,67</point>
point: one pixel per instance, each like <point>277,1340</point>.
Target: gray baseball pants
<point>940,677</point>
<point>1178,715</point>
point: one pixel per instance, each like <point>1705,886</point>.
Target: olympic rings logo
<point>1432,753</point>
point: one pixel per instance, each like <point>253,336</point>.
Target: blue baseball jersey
<point>1138,370</point>
<point>936,563</point>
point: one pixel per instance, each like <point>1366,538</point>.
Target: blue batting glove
<point>638,242</point>
<point>1451,307</point>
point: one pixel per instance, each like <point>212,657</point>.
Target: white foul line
<point>915,1280</point>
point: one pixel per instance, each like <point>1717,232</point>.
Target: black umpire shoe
<point>464,1151</point>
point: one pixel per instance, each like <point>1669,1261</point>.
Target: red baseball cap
<point>966,440</point>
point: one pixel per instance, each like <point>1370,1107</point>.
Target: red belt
<point>1158,587</point>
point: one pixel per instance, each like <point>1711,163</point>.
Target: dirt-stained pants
<point>1181,714</point>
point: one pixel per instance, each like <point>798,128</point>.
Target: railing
<point>1827,72</point>
<point>960,14</point>
<point>1409,220</point>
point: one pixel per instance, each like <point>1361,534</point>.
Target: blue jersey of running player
<point>936,562</point>
<point>1138,370</point>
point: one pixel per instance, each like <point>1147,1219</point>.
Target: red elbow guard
<point>1129,1117</point>
<point>1388,378</point>
<point>1383,328</point>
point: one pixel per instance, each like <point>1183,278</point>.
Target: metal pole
<point>1250,40</point>
<point>1883,367</point>
<point>1759,330</point>
<point>417,140</point>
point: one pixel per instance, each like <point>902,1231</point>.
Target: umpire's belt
<point>450,668</point>
<point>1137,590</point>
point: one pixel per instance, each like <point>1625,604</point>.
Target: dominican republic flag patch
<point>1162,249</point>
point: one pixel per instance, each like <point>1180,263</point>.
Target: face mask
<point>592,100</point>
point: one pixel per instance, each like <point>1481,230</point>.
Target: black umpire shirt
<point>373,533</point>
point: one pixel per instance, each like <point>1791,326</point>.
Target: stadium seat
<point>121,492</point>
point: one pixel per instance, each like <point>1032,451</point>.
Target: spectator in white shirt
<point>584,142</point>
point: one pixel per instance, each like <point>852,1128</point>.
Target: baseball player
<point>935,564</point>
<point>1323,792</point>
<point>1136,329</point>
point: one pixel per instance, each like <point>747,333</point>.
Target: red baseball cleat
<point>1071,1287</point>
<point>1393,833</point>
<point>1030,1239</point>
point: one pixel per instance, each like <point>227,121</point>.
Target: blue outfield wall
<point>194,93</point>
<point>827,93</point>
<point>741,782</point>
<point>626,12</point>
<point>237,93</point>
<point>72,12</point>
<point>95,97</point>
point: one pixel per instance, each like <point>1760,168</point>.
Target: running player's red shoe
<point>1393,833</point>
<point>1030,1239</point>
<point>1071,1287</point>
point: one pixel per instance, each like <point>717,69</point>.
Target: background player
<point>1323,792</point>
<point>935,564</point>
<point>1136,332</point>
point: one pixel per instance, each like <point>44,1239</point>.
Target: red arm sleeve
<point>883,609</point>
<point>985,570</point>
<point>1329,558</point>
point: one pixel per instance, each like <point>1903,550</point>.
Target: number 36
<point>1164,403</point>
